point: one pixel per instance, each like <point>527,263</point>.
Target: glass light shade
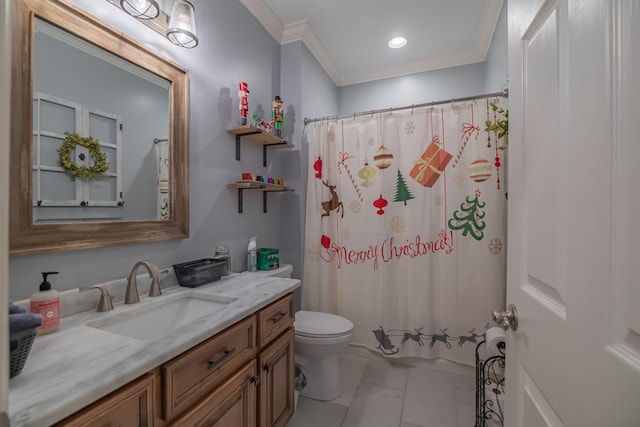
<point>141,9</point>
<point>182,25</point>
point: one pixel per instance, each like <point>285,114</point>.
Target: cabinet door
<point>274,319</point>
<point>130,406</point>
<point>233,404</point>
<point>277,381</point>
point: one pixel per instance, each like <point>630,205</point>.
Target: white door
<point>574,201</point>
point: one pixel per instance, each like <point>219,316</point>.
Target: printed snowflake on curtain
<point>469,217</point>
<point>355,206</point>
<point>332,134</point>
<point>398,224</point>
<point>313,252</point>
<point>495,246</point>
<point>409,128</point>
<point>345,234</point>
<point>371,141</point>
<point>439,200</point>
<point>458,179</point>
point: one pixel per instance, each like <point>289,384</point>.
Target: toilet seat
<point>315,324</point>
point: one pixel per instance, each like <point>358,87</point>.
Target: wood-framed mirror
<point>66,219</point>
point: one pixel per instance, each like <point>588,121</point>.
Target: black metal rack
<point>490,387</point>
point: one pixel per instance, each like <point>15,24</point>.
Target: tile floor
<point>379,392</point>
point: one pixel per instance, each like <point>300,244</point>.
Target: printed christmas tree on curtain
<point>402,191</point>
<point>469,217</point>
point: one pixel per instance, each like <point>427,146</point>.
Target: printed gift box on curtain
<point>430,166</point>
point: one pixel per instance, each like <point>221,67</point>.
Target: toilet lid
<point>313,323</point>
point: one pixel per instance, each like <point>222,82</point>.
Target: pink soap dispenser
<point>47,303</point>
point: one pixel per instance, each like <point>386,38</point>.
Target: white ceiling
<point>349,37</point>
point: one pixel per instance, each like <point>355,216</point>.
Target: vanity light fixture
<point>182,25</point>
<point>141,9</point>
<point>397,42</point>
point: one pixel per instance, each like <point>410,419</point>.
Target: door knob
<point>507,319</point>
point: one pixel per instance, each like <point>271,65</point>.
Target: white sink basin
<point>156,321</point>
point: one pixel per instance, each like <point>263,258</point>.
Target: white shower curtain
<point>405,228</point>
<point>162,162</point>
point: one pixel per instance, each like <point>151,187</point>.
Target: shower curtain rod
<point>503,93</point>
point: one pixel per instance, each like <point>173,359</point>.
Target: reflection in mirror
<point>122,106</point>
<point>91,83</point>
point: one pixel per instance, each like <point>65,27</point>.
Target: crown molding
<point>301,31</point>
<point>265,16</point>
<point>488,22</point>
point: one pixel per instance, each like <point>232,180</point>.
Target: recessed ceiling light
<point>397,42</point>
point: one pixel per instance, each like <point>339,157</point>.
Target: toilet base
<point>323,377</point>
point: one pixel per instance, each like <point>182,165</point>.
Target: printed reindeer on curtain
<point>405,227</point>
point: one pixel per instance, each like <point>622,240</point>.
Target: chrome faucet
<point>131,294</point>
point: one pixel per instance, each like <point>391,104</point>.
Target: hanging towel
<point>163,163</point>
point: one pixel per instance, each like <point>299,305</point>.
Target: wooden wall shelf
<point>256,135</point>
<point>259,186</point>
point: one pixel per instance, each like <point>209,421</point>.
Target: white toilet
<point>319,338</point>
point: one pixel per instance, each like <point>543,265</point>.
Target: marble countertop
<point>78,364</point>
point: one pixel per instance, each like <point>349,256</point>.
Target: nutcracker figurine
<point>243,98</point>
<point>278,115</point>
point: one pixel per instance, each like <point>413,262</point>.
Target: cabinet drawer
<point>233,403</point>
<point>196,372</point>
<point>129,406</point>
<point>274,319</point>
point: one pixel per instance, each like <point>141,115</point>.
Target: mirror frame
<point>27,238</point>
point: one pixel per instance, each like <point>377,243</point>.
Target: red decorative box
<point>430,166</point>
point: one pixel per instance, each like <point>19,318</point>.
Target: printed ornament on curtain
<point>382,158</point>
<point>380,203</point>
<point>366,173</point>
<point>480,170</point>
<point>430,166</point>
<point>317,166</point>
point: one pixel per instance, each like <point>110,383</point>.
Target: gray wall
<point>416,88</point>
<point>496,70</point>
<point>308,92</point>
<point>233,47</point>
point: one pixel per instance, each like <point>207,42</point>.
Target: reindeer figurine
<point>334,203</point>
<point>443,337</point>
<point>417,337</point>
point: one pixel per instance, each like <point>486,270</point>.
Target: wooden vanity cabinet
<point>133,405</point>
<point>276,393</point>
<point>195,373</point>
<point>241,377</point>
<point>233,403</point>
